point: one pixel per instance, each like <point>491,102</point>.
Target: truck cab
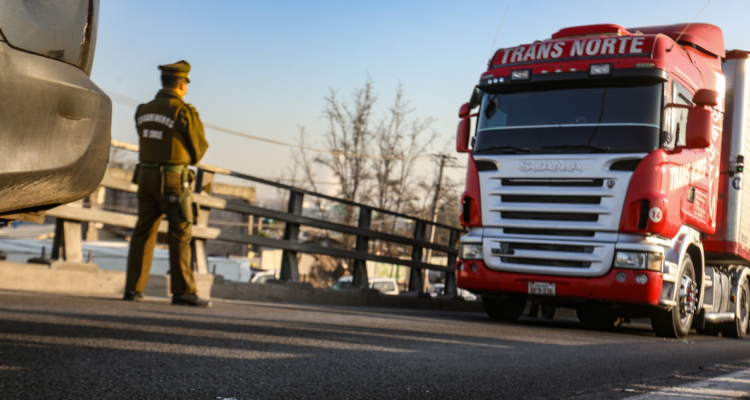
<point>594,175</point>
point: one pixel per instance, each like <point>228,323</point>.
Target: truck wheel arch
<point>696,255</point>
<point>686,242</point>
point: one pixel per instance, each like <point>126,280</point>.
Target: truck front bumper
<point>604,288</point>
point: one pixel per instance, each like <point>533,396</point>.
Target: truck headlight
<point>638,260</point>
<point>470,252</point>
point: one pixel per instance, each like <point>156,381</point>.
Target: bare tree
<point>305,164</point>
<point>376,165</point>
<point>349,139</point>
<point>400,142</point>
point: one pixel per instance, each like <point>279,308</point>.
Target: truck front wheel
<point>676,322</point>
<point>504,309</point>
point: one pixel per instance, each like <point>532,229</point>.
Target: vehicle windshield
<point>577,120</point>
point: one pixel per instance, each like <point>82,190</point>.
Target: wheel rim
<point>688,298</point>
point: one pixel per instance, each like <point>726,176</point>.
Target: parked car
<point>382,285</point>
<point>439,288</point>
<point>263,276</point>
<point>230,269</point>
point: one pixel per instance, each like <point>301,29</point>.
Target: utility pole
<point>442,160</point>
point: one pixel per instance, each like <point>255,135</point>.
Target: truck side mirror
<point>463,134</point>
<point>706,97</point>
<point>699,126</point>
<point>464,110</point>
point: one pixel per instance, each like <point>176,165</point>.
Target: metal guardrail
<point>72,214</point>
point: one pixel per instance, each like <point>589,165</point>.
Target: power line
<point>130,102</point>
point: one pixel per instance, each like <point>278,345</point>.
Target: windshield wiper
<point>578,146</point>
<point>516,148</point>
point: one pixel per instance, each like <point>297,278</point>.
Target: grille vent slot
<point>643,215</point>
<point>552,182</point>
<point>548,247</point>
<point>548,232</point>
<point>549,216</point>
<point>625,165</point>
<point>486,166</point>
<point>546,262</point>
<point>520,198</point>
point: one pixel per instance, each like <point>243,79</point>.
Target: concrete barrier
<point>72,279</point>
<point>42,278</point>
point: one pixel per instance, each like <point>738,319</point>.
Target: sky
<point>265,67</point>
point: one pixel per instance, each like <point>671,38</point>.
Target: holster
<point>182,206</point>
<point>136,173</point>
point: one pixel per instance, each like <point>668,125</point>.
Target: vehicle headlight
<point>638,260</point>
<point>470,252</point>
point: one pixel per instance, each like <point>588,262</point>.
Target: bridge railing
<point>67,244</point>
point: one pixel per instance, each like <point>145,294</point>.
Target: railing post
<point>68,238</point>
<point>289,271</point>
<point>96,200</point>
<point>360,266</point>
<point>450,277</point>
<point>416,284</point>
<point>203,180</point>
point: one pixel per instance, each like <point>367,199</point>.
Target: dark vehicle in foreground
<point>54,121</point>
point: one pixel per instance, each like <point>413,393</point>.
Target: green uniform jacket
<point>170,131</point>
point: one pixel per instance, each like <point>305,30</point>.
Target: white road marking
<point>733,386</point>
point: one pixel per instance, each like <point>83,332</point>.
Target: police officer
<point>171,137</point>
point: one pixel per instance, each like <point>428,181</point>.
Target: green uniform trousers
<point>152,205</point>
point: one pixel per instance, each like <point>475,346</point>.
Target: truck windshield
<point>577,120</point>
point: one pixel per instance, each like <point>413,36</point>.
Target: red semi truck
<point>606,175</point>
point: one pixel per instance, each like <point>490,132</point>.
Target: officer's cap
<point>179,69</point>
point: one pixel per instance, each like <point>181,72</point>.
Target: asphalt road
<point>61,347</point>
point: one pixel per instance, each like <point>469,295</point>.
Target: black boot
<point>133,296</point>
<point>190,300</point>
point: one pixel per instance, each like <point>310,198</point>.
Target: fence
<point>67,245</point>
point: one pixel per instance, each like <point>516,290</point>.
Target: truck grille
<point>527,205</point>
<point>553,222</point>
<point>546,256</point>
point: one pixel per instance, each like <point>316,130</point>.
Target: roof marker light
<point>520,75</point>
<point>600,69</point>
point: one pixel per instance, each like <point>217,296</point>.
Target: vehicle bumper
<point>54,132</point>
<point>605,288</point>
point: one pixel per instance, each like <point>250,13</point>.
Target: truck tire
<point>598,316</point>
<point>738,328</point>
<point>504,309</point>
<point>676,322</point>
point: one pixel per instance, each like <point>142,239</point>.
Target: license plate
<point>542,288</point>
